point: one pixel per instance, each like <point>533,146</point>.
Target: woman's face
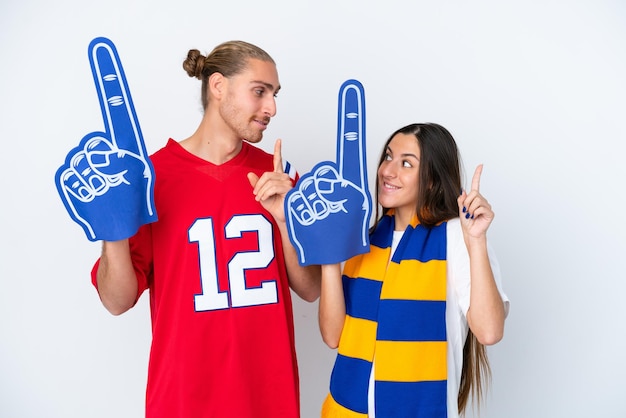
<point>398,178</point>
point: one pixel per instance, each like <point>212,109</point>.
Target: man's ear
<point>217,85</point>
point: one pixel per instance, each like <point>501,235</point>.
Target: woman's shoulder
<point>453,229</point>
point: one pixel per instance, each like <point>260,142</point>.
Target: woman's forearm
<point>332,307</point>
<point>486,312</point>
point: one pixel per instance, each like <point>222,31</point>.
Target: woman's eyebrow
<point>407,154</point>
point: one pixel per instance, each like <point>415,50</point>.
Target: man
<point>218,262</point>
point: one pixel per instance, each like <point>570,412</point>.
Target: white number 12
<point>211,298</point>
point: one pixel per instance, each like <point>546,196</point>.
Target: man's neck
<point>213,141</point>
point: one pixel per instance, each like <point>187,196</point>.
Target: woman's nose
<point>387,170</point>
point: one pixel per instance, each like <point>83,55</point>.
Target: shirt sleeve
<point>459,265</point>
<point>141,256</point>
<point>291,172</point>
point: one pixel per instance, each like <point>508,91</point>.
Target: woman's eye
<point>406,164</point>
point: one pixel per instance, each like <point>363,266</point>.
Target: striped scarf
<point>395,314</point>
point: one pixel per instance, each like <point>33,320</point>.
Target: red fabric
<point>230,361</point>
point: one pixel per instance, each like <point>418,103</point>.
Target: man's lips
<point>262,122</point>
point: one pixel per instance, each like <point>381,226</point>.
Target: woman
<point>411,318</point>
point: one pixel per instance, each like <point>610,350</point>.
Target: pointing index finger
<point>119,115</point>
<point>476,178</point>
<point>351,133</point>
<point>278,158</point>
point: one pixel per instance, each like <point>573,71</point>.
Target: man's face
<point>250,100</point>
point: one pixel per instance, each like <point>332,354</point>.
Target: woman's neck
<point>403,218</point>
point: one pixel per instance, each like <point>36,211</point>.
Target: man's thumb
<point>253,178</point>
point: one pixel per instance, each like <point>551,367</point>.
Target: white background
<point>534,90</point>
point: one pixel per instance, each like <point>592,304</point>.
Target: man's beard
<point>234,118</point>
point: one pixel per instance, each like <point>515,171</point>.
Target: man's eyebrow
<point>269,86</point>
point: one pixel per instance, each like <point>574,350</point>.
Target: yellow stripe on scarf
<point>372,267</point>
<point>331,409</point>
<point>410,361</point>
<point>414,280</point>
<point>363,347</point>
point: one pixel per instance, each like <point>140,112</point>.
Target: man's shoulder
<point>255,151</point>
<point>256,157</point>
<point>165,152</point>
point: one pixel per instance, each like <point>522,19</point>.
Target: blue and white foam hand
<point>328,211</point>
<point>107,182</point>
